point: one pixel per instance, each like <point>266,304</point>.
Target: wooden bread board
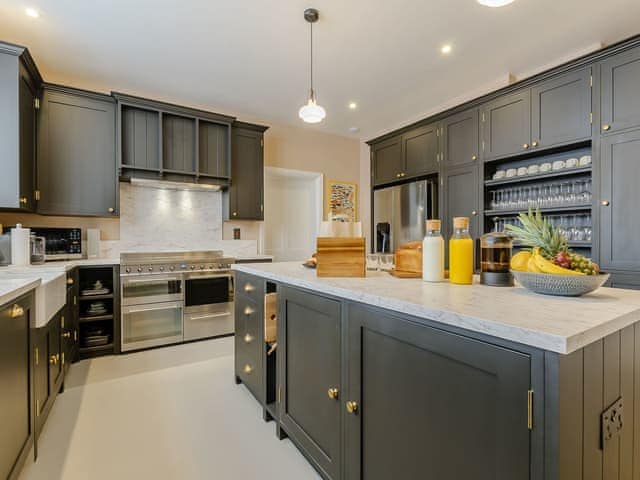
<point>270,317</point>
<point>341,257</point>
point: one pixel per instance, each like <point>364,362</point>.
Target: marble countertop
<point>11,287</point>
<point>557,324</point>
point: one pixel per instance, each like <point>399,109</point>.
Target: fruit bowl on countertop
<point>560,285</point>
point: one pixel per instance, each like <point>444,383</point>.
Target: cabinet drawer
<point>249,344</point>
<point>249,286</point>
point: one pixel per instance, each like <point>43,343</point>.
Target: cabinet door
<point>506,125</point>
<point>40,371</point>
<point>432,401</point>
<point>178,144</point>
<point>246,194</point>
<point>309,348</point>
<point>461,198</point>
<point>76,155</point>
<point>213,149</point>
<point>387,163</point>
<point>620,100</point>
<point>55,354</point>
<point>249,342</point>
<point>460,139</point>
<point>27,114</point>
<point>420,151</point>
<point>620,195</point>
<point>561,110</point>
<point>14,378</point>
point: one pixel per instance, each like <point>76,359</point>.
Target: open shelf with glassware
<point>559,184</point>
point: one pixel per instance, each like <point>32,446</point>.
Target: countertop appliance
<point>400,211</point>
<point>172,297</point>
<point>60,243</point>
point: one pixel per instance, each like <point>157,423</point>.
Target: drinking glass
<point>565,189</point>
<point>373,262</point>
<point>556,196</point>
<point>494,202</point>
<point>587,190</point>
<point>386,262</point>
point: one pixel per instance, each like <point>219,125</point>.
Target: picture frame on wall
<point>342,201</point>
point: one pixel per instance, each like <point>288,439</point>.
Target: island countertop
<point>556,324</point>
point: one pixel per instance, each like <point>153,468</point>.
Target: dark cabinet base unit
<point>367,393</point>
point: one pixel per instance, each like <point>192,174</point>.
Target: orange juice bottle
<point>461,253</point>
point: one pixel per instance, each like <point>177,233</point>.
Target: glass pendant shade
<point>495,3</point>
<point>312,112</point>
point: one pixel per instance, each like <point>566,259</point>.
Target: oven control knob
<point>211,267</point>
<point>139,269</point>
<point>162,269</point>
<point>151,269</point>
<point>183,266</point>
<point>201,267</point>
<point>172,268</point>
<point>128,270</point>
<point>193,267</point>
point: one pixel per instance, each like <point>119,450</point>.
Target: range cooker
<point>172,297</point>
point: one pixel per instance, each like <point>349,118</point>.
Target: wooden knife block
<point>341,257</point>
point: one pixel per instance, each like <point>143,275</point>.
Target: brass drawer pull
<point>534,144</point>
<point>474,158</point>
<point>352,407</point>
<point>525,146</point>
<point>248,310</point>
<point>53,359</point>
<point>248,338</point>
<point>70,281</point>
<point>16,311</point>
<point>333,393</point>
<point>606,127</point>
<point>249,288</point>
<point>66,335</point>
<point>248,369</point>
<point>605,203</point>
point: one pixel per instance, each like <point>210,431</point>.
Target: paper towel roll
<point>20,246</point>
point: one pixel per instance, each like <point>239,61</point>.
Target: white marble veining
<point>12,287</point>
<point>557,324</point>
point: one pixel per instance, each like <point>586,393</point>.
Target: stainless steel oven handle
<point>151,279</point>
<point>166,307</point>
<point>213,315</point>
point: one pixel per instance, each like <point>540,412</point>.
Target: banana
<point>549,267</point>
<point>532,267</point>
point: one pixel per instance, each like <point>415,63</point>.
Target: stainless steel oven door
<point>209,321</point>
<point>151,325</point>
<point>208,300</point>
<point>141,289</point>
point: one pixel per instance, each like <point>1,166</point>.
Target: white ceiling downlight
<point>495,3</point>
<point>31,12</point>
<point>446,49</point>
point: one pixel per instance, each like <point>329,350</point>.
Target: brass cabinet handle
<point>403,174</point>
<point>352,407</point>
<point>23,200</point>
<point>248,310</point>
<point>248,369</point>
<point>66,335</point>
<point>398,175</point>
<point>16,311</point>
<point>235,214</point>
<point>474,157</point>
<point>534,144</point>
<point>474,212</point>
<point>249,288</point>
<point>525,146</point>
<point>606,127</point>
<point>111,210</point>
<point>53,359</point>
<point>604,203</point>
<point>75,335</point>
<point>333,393</point>
<point>248,338</point>
<point>70,281</point>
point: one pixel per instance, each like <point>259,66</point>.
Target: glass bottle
<point>461,253</point>
<point>433,253</point>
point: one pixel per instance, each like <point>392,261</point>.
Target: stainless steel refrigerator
<point>400,212</point>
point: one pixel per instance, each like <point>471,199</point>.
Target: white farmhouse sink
<point>51,294</point>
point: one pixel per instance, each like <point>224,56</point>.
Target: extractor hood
<point>168,185</point>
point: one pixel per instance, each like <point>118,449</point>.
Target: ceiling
<point>249,58</point>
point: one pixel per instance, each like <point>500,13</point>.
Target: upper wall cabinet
<point>76,153</point>
<point>460,139</point>
<point>161,140</point>
<point>19,83</point>
<point>561,110</point>
<point>506,125</point>
<point>620,100</point>
<point>387,160</point>
<point>420,151</point>
<point>246,193</point>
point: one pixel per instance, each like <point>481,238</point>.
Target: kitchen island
<point>381,377</point>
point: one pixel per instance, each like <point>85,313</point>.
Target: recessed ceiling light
<point>31,12</point>
<point>446,49</point>
<point>354,129</point>
<point>353,105</point>
<point>495,3</point>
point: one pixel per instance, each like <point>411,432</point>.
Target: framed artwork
<point>342,201</point>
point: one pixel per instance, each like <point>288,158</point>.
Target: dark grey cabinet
<point>19,83</point>
<point>432,403</point>
<point>76,153</point>
<point>140,138</point>
<point>310,363</point>
<point>461,198</point>
<point>620,102</point>
<point>246,193</point>
<point>561,110</point>
<point>178,144</point>
<point>620,195</point>
<point>386,161</point>
<point>15,378</point>
<point>506,125</point>
<point>420,150</point>
<point>214,150</point>
<point>460,139</point>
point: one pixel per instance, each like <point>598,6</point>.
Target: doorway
<point>293,212</point>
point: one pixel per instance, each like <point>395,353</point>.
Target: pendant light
<point>311,112</point>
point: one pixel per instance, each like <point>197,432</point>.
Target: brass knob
<point>70,281</point>
<point>248,338</point>
<point>474,158</point>
<point>111,210</point>
<point>398,175</point>
<point>66,335</point>
<point>606,127</point>
<point>352,407</point>
<point>53,359</point>
<point>17,311</point>
<point>248,310</point>
<point>474,212</point>
<point>534,144</point>
<point>604,203</point>
<point>525,146</point>
<point>248,369</point>
<point>23,200</point>
<point>235,214</point>
<point>249,288</point>
<point>333,393</point>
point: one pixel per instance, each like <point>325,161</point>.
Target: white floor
<point>171,413</point>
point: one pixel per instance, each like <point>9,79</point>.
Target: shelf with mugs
<point>539,176</point>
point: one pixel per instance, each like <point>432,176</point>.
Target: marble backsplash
<point>154,219</point>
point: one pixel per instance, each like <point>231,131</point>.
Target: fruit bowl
<point>560,285</point>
